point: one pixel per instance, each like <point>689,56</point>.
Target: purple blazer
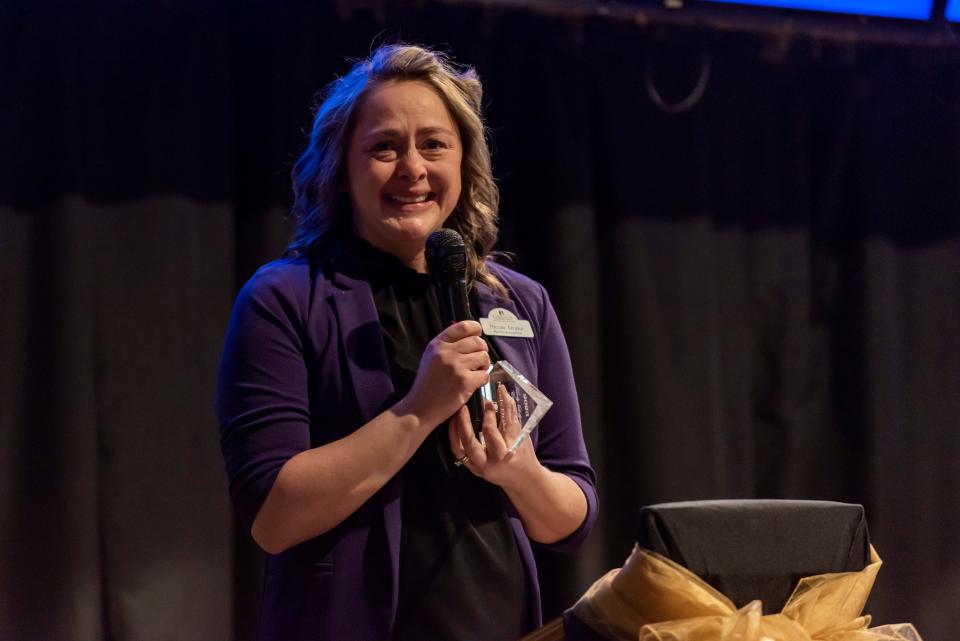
<point>304,364</point>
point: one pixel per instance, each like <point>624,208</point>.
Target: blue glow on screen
<point>919,9</point>
<point>953,10</point>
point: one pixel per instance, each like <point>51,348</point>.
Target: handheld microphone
<point>447,262</point>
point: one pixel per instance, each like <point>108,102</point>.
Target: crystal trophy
<point>532,404</point>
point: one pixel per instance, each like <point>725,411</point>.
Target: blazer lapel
<point>518,352</point>
<point>361,343</point>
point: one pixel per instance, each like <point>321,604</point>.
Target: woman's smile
<point>406,202</point>
<point>404,168</point>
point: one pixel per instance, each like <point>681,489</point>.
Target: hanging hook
<point>706,66</point>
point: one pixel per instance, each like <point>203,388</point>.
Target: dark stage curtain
<point>761,294</point>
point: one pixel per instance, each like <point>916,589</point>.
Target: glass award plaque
<point>532,404</point>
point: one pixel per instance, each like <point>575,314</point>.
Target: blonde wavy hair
<point>321,200</point>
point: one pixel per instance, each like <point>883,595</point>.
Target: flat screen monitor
<point>911,9</point>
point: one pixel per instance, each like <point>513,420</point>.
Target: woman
<point>338,380</point>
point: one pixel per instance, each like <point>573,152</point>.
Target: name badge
<point>503,322</point>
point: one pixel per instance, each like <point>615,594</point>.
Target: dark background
<point>761,294</point>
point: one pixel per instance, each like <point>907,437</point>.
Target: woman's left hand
<point>550,504</point>
<point>492,459</point>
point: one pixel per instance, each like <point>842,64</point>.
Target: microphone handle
<point>455,307</point>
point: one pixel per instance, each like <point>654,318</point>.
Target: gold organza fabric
<point>651,598</point>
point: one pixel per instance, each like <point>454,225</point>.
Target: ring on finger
<point>463,460</point>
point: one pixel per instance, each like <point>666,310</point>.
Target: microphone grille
<point>446,256</point>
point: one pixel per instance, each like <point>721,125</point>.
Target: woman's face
<point>403,164</point>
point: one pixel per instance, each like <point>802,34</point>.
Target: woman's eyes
<point>390,148</point>
<point>433,144</point>
<point>383,146</point>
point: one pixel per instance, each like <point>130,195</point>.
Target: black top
<point>461,575</point>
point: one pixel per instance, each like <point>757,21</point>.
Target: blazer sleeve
<point>560,445</point>
<point>262,398</point>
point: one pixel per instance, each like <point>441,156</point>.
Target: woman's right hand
<point>318,488</point>
<point>454,364</point>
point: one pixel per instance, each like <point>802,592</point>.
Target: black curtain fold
<point>760,293</point>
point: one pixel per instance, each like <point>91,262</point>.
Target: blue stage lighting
<point>913,9</point>
<point>953,10</point>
